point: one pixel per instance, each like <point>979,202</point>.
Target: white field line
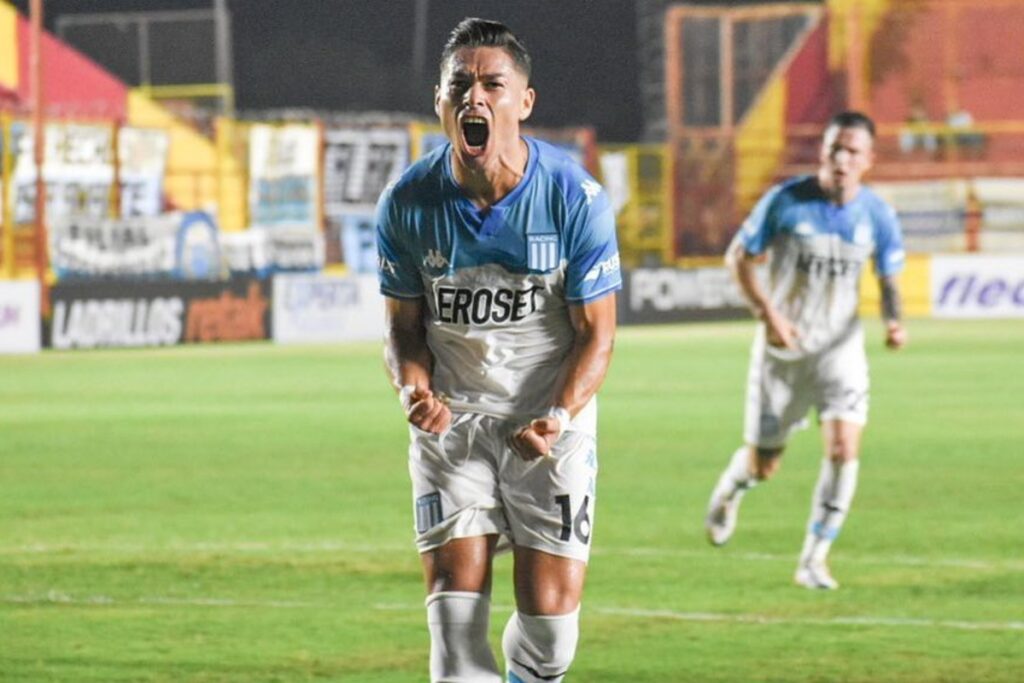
<point>763,620</point>
<point>54,597</point>
<point>336,546</point>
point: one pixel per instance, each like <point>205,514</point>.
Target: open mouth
<point>475,131</point>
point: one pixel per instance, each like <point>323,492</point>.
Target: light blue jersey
<point>497,283</point>
<point>817,252</point>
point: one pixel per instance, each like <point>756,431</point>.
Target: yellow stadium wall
<point>191,173</point>
<point>232,143</point>
<point>915,287</point>
<point>760,143</point>
<point>8,46</point>
<point>869,16</point>
<point>199,175</point>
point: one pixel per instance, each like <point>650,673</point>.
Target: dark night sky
<point>357,55</point>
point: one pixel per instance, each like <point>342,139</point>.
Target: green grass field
<point>242,513</point>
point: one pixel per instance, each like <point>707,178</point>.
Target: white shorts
<point>781,391</point>
<point>468,482</point>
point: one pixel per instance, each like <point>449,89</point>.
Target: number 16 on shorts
<point>578,524</point>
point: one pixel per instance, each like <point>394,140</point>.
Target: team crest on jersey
<point>542,252</point>
<point>862,233</point>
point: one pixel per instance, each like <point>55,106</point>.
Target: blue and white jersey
<point>817,252</point>
<point>497,282</point>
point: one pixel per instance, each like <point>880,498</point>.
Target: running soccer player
<point>816,232</point>
<point>498,261</point>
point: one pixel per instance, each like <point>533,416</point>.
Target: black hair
<point>475,32</point>
<point>853,119</point>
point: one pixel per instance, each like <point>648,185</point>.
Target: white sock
<point>830,504</point>
<point>736,479</point>
<point>459,651</point>
<point>540,649</point>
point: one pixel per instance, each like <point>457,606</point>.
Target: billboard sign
<point>19,317</point>
<point>323,308</point>
<point>978,286</point>
<point>130,313</point>
<point>668,295</point>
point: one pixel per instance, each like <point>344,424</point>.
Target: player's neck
<point>488,183</point>
<point>838,195</point>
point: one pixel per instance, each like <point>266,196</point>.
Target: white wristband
<point>563,417</point>
<point>405,396</point>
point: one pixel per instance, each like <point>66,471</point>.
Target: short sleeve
<point>759,229</point>
<point>396,269</point>
<point>889,253</point>
<point>593,252</point>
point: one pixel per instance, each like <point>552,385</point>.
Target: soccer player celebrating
<point>816,232</point>
<point>498,261</point>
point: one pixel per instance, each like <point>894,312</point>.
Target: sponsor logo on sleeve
<point>386,266</point>
<point>609,266</point>
<point>896,258</point>
<point>590,188</point>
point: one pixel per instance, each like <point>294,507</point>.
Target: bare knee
<point>767,462</point>
<point>547,584</point>
<point>841,450</point>
<point>842,441</point>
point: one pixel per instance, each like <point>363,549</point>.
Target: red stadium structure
<point>747,89</point>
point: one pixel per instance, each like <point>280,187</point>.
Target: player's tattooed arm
<point>410,363</point>
<point>581,376</point>
<point>892,313</point>
<point>892,303</point>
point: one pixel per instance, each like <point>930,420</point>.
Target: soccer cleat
<point>815,575</point>
<point>721,520</point>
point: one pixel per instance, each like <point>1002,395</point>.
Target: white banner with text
<point>977,286</point>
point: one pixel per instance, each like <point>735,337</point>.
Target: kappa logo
<point>387,266</point>
<point>435,259</point>
<point>591,188</point>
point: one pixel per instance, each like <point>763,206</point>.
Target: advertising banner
<point>262,251</point>
<point>359,243</point>
<point>169,245</point>
<point>358,165</point>
<point>142,155</point>
<point>972,286</point>
<point>102,314</point>
<point>668,295</point>
<point>323,308</point>
<point>78,170</point>
<point>19,317</point>
<point>283,171</point>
